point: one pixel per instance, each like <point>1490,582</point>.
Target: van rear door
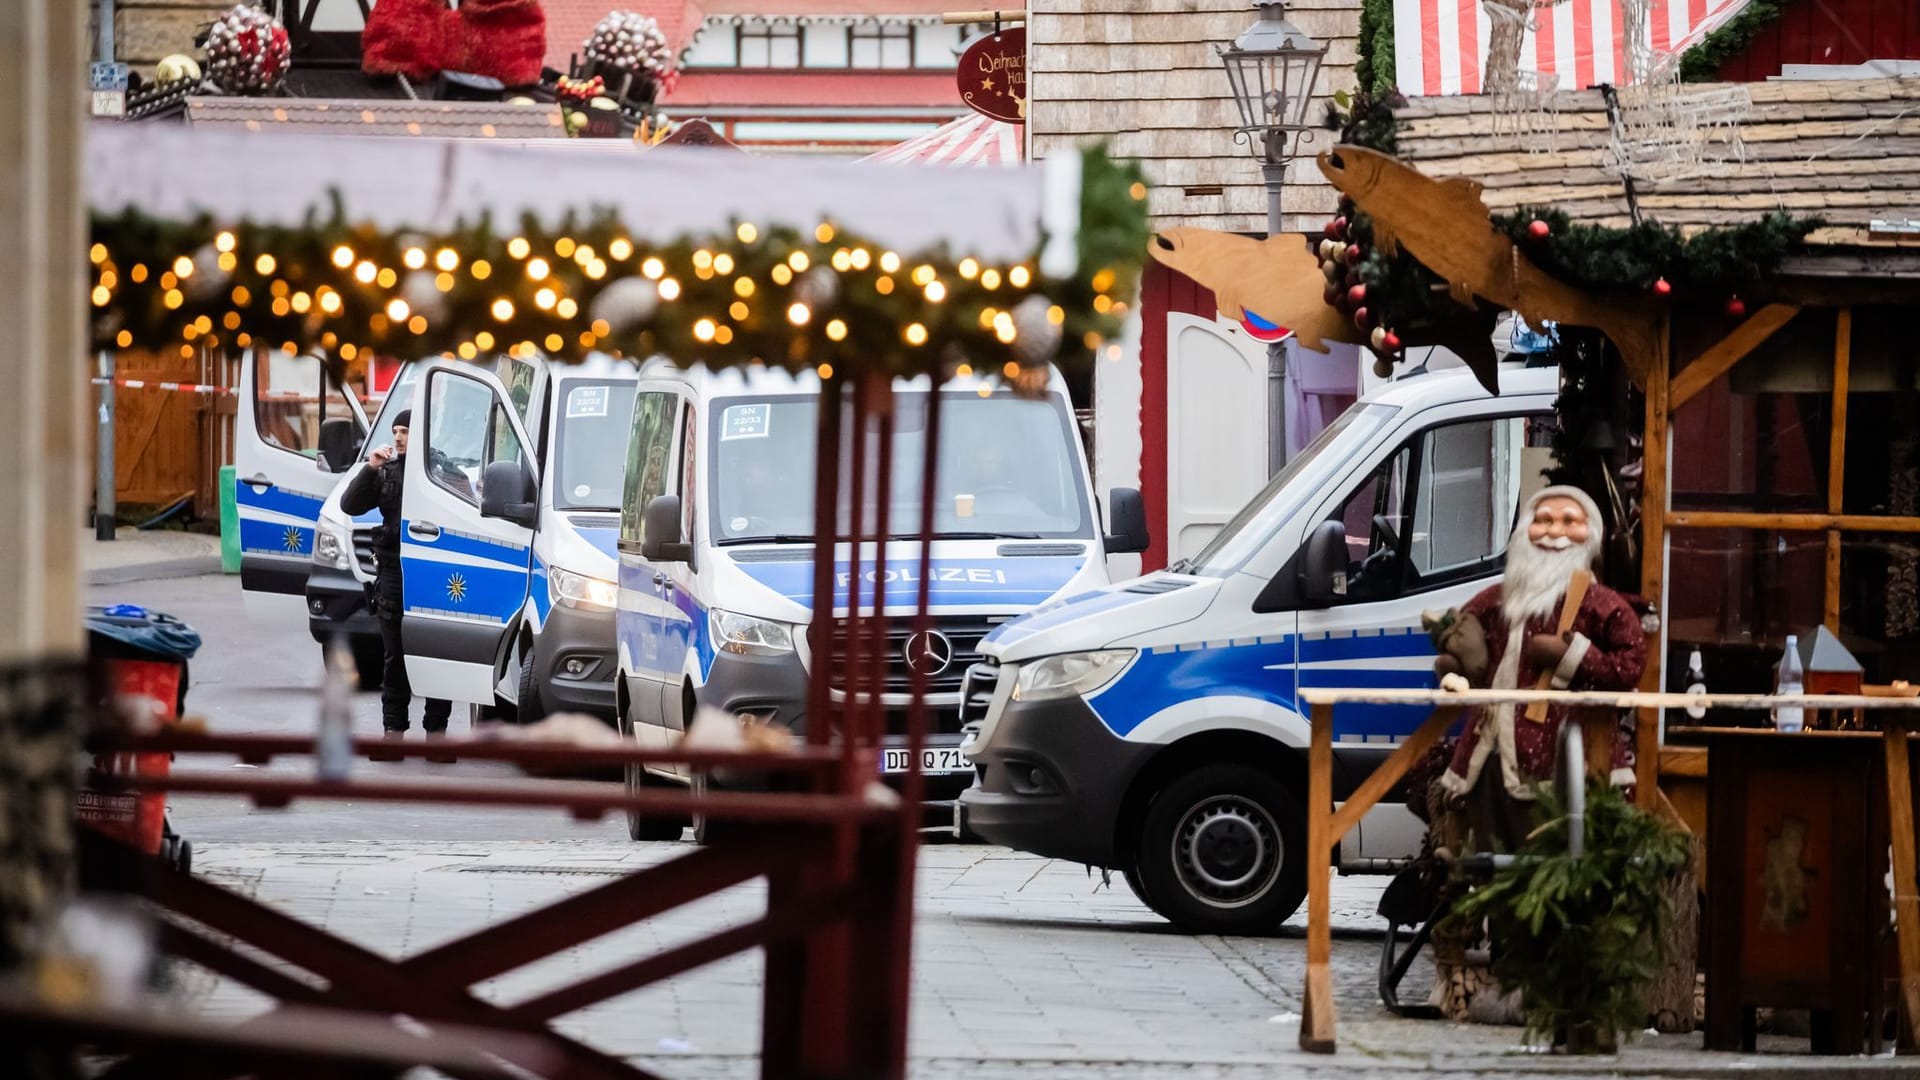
<point>280,480</point>
<point>464,574</point>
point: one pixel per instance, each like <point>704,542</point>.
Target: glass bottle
<point>1792,681</point>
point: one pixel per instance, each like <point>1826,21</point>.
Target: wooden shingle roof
<point>1847,151</point>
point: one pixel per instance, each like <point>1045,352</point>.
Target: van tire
<point>639,827</point>
<point>1222,851</point>
<point>369,660</point>
<point>530,710</point>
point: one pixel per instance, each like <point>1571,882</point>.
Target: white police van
<point>717,547</point>
<point>507,554</point>
<point>1153,727</point>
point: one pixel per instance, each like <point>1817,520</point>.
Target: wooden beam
<point>1837,441</point>
<point>1830,613</point>
<point>1720,358</point>
<point>1654,502</point>
<point>1735,519</point>
<point>1317,1012</point>
<point>1906,879</point>
<point>1389,772</point>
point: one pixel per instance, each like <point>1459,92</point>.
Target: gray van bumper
<point>337,604</point>
<point>1050,779</point>
<point>585,639</point>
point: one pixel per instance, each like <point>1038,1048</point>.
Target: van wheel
<point>531,709</point>
<point>641,827</point>
<point>1222,852</point>
<point>369,660</point>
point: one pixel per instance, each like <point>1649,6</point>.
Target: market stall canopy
<point>431,184</point>
<point>433,119</point>
<point>1440,46</point>
<point>971,140</point>
<point>1846,151</point>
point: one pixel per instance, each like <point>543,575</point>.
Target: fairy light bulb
<point>723,263</point>
<point>414,259</point>
<point>387,279</point>
<point>365,272</point>
<point>799,261</point>
<point>397,310</point>
<point>704,329</point>
<point>836,330</point>
<point>969,268</point>
<point>780,274</point>
<point>98,253</point>
<point>417,324</point>
<point>747,233</point>
<point>537,269</point>
<point>889,262</point>
<point>503,309</point>
<point>669,289</point>
<point>743,287</point>
<point>446,260</point>
<point>935,292</point>
<point>825,371</point>
<point>620,248</point>
<point>799,314</point>
<point>842,260</point>
<point>861,258</point>
<point>483,339</point>
<point>544,299</point>
<point>343,256</point>
<point>916,334</point>
<point>703,259</point>
<point>989,278</point>
<point>263,265</point>
<point>1019,277</point>
<point>567,308</point>
<point>518,247</point>
<point>481,269</point>
<point>739,311</point>
<point>651,268</point>
<point>563,247</point>
<point>824,233</point>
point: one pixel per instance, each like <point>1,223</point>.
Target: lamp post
<point>1272,68</point>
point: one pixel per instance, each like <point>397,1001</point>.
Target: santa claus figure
<point>1504,755</point>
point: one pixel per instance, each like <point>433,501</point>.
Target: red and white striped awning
<point>1440,46</point>
<point>971,140</point>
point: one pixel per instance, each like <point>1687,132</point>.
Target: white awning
<point>422,183</point>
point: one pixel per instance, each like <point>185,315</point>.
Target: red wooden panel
<point>1793,34</point>
<point>1830,32</point>
<point>1162,292</point>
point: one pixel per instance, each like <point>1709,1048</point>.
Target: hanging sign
<point>993,76</point>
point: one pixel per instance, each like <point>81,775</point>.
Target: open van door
<point>466,545</point>
<point>290,410</point>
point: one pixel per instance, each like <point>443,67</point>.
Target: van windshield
<point>589,466</point>
<point>1007,469</point>
<point>1254,525</point>
<point>399,396</point>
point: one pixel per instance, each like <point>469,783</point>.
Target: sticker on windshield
<point>746,422</point>
<point>581,491</point>
<point>587,401</point>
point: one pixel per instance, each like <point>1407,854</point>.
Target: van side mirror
<point>1128,512</point>
<point>506,492</point>
<point>662,541</point>
<point>339,444</point>
<point>1323,573</point>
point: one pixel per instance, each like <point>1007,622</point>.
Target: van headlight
<point>580,591</point>
<point>749,636</point>
<point>1070,674</point>
<point>332,547</point>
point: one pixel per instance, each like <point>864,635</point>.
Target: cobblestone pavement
<point>1022,965</point>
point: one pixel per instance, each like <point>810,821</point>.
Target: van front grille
<point>952,646</point>
<point>363,548</point>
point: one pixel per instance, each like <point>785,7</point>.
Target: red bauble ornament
<point>1360,318</point>
<point>1736,307</point>
<point>1354,253</point>
<point>1539,230</point>
<point>1358,294</point>
<point>1661,288</point>
<point>1391,342</point>
<point>1338,227</point>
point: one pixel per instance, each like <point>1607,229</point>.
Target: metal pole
<point>103,493</point>
<point>105,13</point>
<point>1276,174</point>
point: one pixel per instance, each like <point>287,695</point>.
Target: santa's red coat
<point>1608,652</point>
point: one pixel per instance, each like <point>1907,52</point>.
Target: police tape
<point>191,388</point>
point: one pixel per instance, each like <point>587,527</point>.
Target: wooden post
<point>1837,458</point>
<point>1906,903</point>
<point>1318,1014</point>
<point>1654,500</point>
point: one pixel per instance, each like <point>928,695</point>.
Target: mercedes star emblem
<point>929,652</point>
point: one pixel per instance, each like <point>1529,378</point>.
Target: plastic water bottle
<point>333,742</point>
<point>1696,684</point>
<point>1792,681</point>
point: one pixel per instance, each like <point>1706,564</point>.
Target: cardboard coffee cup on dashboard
<point>963,506</point>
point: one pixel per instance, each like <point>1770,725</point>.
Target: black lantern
<point>1272,68</point>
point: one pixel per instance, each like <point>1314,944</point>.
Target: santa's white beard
<point>1536,580</point>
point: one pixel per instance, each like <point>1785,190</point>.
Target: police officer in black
<point>378,484</point>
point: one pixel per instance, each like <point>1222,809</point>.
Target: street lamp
<point>1272,68</point>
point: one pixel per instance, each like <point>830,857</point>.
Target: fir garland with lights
<point>1635,259</point>
<point>820,298</point>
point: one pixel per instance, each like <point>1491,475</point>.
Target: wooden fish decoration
<point>1445,225</point>
<point>1270,287</point>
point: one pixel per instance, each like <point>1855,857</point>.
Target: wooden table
<point>1326,824</point>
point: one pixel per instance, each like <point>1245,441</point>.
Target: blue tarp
<point>135,629</point>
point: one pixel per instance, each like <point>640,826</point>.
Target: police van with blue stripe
<point>717,547</point>
<point>507,552</point>
<point>1154,727</point>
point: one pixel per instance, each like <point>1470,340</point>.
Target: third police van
<point>1152,727</point>
<point>717,549</point>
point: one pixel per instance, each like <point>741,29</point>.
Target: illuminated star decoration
<point>290,539</point>
<point>456,588</point>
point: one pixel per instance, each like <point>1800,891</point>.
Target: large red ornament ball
<point>1358,294</point>
<point>1539,230</point>
<point>1337,227</point>
<point>1391,342</point>
<point>1736,307</point>
<point>1361,317</point>
<point>1354,253</point>
<point>1661,288</point>
<point>247,51</point>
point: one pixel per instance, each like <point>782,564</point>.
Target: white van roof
<point>1458,384</point>
<point>773,381</point>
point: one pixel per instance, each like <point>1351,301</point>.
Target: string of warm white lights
<point>820,299</point>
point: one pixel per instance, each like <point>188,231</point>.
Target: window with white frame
<point>880,45</point>
<point>769,45</point>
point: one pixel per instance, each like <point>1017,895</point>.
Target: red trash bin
<point>148,688</point>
